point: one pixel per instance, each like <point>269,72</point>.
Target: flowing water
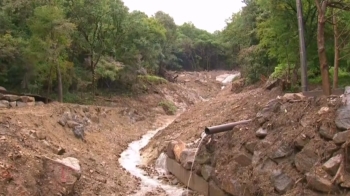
<point>195,154</point>
<point>131,158</point>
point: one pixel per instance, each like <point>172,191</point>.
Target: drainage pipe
<point>224,127</point>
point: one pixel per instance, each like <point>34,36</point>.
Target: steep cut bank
<point>296,145</point>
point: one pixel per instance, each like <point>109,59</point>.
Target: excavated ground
<point>28,133</point>
<point>281,153</point>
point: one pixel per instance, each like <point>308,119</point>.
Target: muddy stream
<point>131,158</point>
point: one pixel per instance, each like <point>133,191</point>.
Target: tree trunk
<point>59,80</point>
<point>336,51</point>
<point>322,8</point>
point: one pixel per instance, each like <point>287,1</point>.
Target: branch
<point>339,5</point>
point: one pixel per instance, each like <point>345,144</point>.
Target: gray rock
<point>206,172</point>
<point>79,132</point>
<point>342,119</point>
<point>203,158</point>
<point>261,133</point>
<point>271,107</point>
<point>326,132</point>
<point>21,104</point>
<point>341,137</point>
<point>332,165</point>
<point>65,117</point>
<point>283,151</point>
<point>13,104</point>
<point>72,123</point>
<point>319,183</point>
<point>4,104</point>
<point>11,97</point>
<point>187,157</point>
<point>250,146</point>
<point>281,181</point>
<point>306,159</point>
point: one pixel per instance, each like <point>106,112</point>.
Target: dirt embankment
<point>94,135</point>
<point>293,146</point>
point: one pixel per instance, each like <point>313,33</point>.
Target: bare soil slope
<point>28,133</point>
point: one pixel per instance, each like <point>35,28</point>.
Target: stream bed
<point>131,158</point>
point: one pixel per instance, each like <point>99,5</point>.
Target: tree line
<point>81,45</point>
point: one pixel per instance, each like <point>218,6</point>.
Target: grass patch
<point>343,78</point>
<point>152,79</point>
<point>169,107</point>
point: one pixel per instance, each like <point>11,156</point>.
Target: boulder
<point>187,157</point>
<point>235,187</point>
<point>331,166</point>
<point>250,146</point>
<point>64,118</point>
<point>326,132</point>
<point>170,149</point>
<point>60,175</point>
<point>301,141</point>
<point>178,148</point>
<point>281,181</point>
<point>319,183</point>
<point>11,98</point>
<point>342,119</point>
<point>13,104</point>
<point>206,172</point>
<point>283,151</point>
<point>21,104</point>
<point>271,107</point>
<point>2,88</point>
<point>4,104</point>
<point>39,103</point>
<point>243,159</point>
<point>306,159</point>
<point>26,99</point>
<point>341,137</point>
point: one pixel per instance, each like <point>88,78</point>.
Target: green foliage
<point>168,106</point>
<point>151,79</point>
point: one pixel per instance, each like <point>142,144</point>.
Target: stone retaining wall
<point>10,101</point>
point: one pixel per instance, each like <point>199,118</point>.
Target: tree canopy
<point>76,45</point>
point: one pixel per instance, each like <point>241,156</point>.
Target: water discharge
<point>131,158</point>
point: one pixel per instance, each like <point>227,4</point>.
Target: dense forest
<point>66,46</point>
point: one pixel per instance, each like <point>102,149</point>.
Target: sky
<point>209,15</point>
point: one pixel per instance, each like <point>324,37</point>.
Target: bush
<point>169,107</point>
<point>153,79</point>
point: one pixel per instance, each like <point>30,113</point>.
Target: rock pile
<point>78,120</point>
<point>297,145</point>
<point>9,100</point>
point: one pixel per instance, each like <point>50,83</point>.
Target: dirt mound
<point>292,147</point>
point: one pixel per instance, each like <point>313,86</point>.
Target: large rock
<point>187,157</point>
<point>60,175</point>
<point>341,137</point>
<point>243,159</point>
<point>21,104</point>
<point>271,107</point>
<point>4,104</point>
<point>306,159</point>
<point>72,123</point>
<point>3,88</point>
<point>332,165</point>
<point>206,171</point>
<point>319,183</point>
<point>170,149</point>
<point>26,99</point>
<point>261,133</point>
<point>342,119</point>
<point>178,148</point>
<point>283,151</point>
<point>281,181</point>
<point>64,118</point>
<point>326,132</point>
<point>235,187</point>
<point>10,98</point>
